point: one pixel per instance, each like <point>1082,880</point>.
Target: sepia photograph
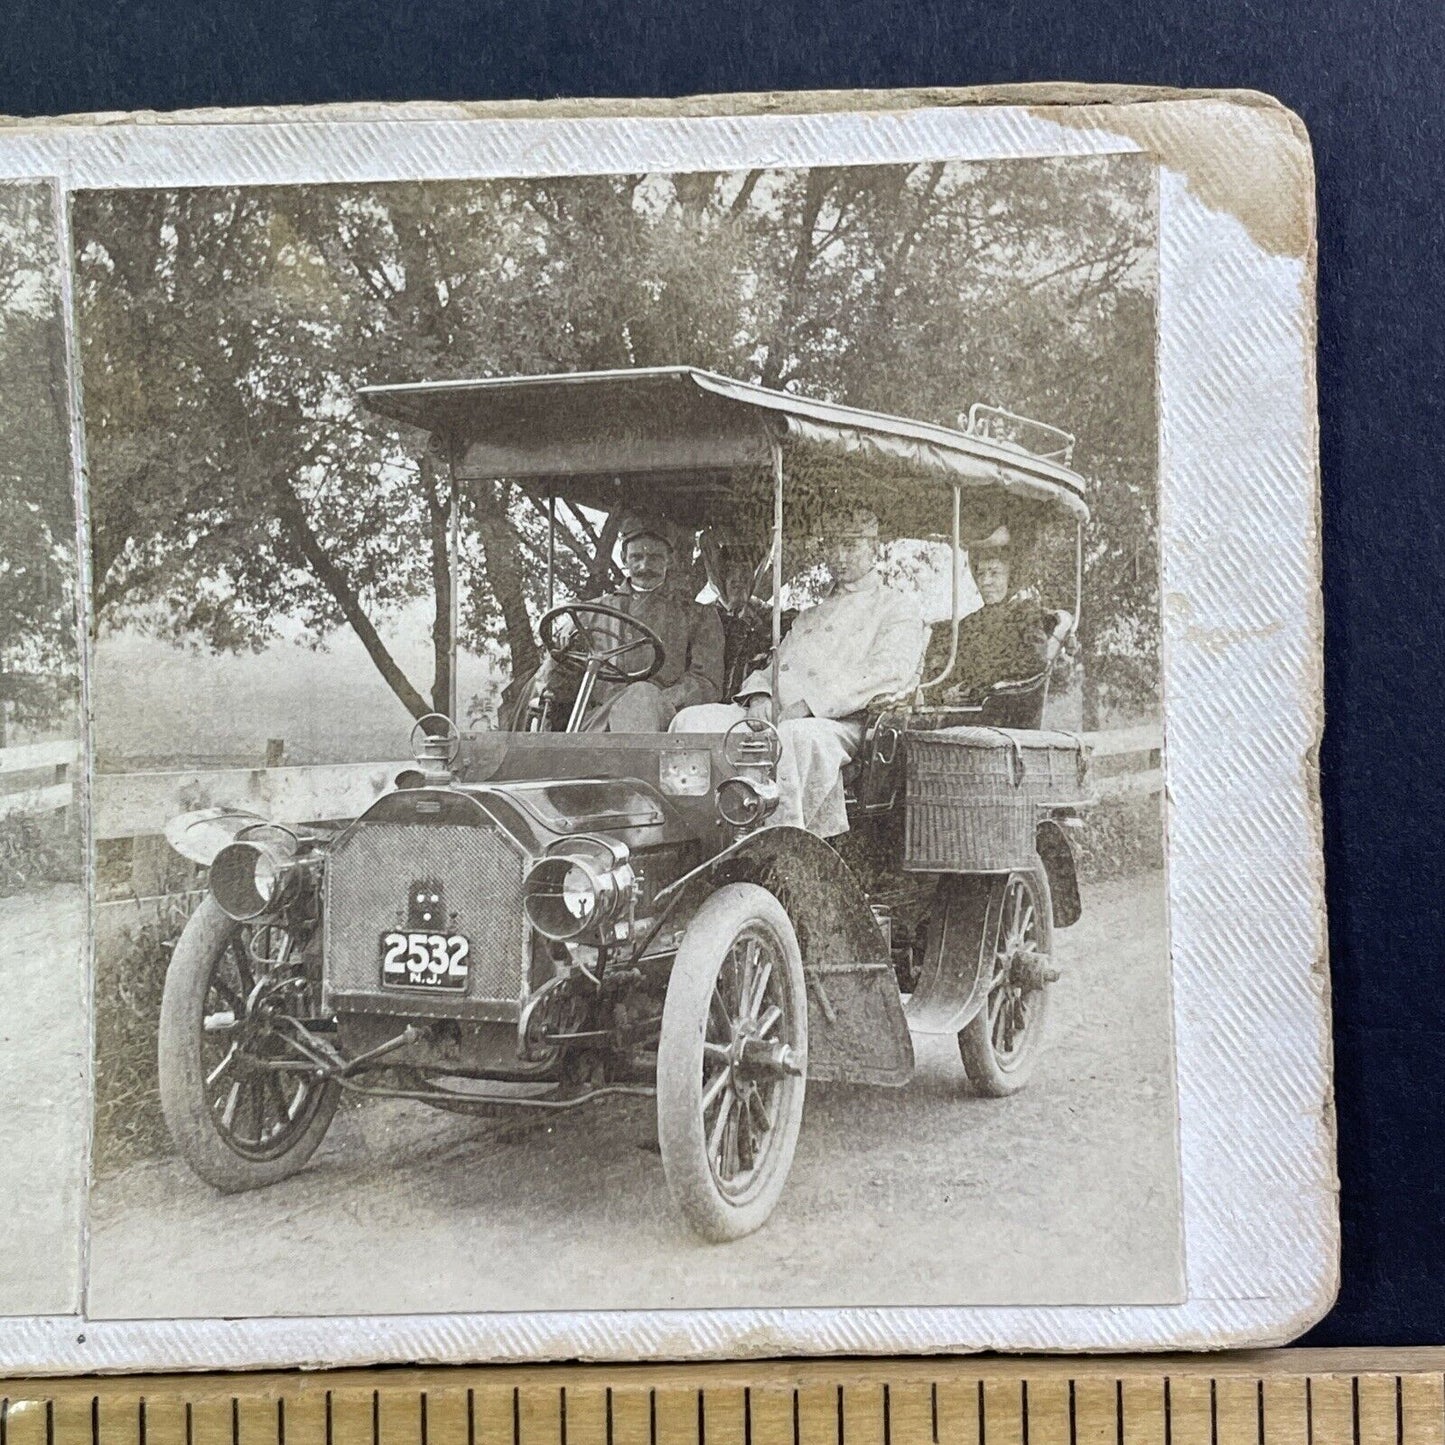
<point>43,1122</point>
<point>628,734</point>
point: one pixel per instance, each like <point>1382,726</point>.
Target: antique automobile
<point>548,917</point>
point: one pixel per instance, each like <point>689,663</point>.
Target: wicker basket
<point>973,796</point>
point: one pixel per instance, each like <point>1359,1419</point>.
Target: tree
<point>237,484</point>
<point>38,655</point>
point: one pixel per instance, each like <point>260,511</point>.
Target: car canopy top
<point>699,447</point>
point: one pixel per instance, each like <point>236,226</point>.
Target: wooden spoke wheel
<point>241,1108</point>
<point>1001,1042</point>
<point>732,1062</point>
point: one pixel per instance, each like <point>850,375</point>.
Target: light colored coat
<point>859,642</point>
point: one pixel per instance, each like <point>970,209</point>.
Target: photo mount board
<point>1241,659</point>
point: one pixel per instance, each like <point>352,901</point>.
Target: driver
<point>862,640</point>
<point>657,594</point>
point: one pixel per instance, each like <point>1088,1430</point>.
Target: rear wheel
<point>1000,1043</point>
<point>732,1062</point>
<point>236,1120</point>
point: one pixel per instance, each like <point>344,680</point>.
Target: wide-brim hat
<point>851,522</point>
<point>998,543</point>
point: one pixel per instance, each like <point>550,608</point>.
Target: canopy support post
<point>1078,574</point>
<point>776,447</point>
<point>454,620</point>
<point>551,546</point>
<point>954,559</point>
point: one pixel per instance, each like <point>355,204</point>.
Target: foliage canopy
<point>237,486</point>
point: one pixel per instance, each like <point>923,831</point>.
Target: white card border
<point>1242,663</point>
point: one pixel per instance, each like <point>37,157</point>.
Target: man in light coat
<point>862,640</point>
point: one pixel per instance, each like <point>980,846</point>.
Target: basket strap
<point>1017,764</point>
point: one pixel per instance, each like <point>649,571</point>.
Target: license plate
<point>424,960</point>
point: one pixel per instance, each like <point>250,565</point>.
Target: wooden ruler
<point>1313,1397</point>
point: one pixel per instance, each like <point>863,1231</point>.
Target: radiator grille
<point>369,878</point>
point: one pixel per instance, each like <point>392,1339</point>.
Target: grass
<point>130,970</point>
<point>1120,838</point>
<point>37,848</point>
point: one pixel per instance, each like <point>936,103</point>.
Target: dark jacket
<point>1007,642</point>
<point>692,643</point>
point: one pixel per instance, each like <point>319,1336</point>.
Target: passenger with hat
<point>658,593</point>
<point>862,640</point>
<point>1008,639</point>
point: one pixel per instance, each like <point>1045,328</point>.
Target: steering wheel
<point>603,653</point>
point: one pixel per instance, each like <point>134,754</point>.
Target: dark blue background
<point>1367,78</point>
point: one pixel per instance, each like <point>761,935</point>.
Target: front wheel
<point>1001,1042</point>
<point>732,1062</point>
<point>238,1119</point>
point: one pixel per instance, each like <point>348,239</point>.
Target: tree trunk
<point>600,577</point>
<point>331,577</point>
<point>438,504</point>
<point>506,574</point>
<point>780,341</point>
<point>1089,691</point>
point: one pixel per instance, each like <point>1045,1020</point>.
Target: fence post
<point>150,866</point>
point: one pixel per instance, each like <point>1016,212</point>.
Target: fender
<point>856,1029</point>
<point>199,836</point>
<point>957,969</point>
<point>1057,855</point>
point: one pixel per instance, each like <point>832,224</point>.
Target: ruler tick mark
<point>1119,1412</point>
<point>747,1417</point>
<point>609,1415</point>
<point>422,1422</point>
<point>1213,1414</point>
<point>1260,1408</point>
<point>189,1436</point>
<point>842,1437</point>
<point>982,1416</point>
<point>328,1421</point>
<point>888,1418</point>
<point>1168,1413</point>
<point>701,1421</point>
<point>471,1418</point>
<point>516,1415</point>
<point>561,1415</point>
<point>50,1423</point>
<point>1355,1408</point>
<point>235,1421</point>
<point>797,1425</point>
<point>281,1421</point>
<point>1309,1413</point>
<point>5,1421</point>
<point>375,1418</point>
<point>1073,1418</point>
<point>932,1401</point>
<point>95,1420</point>
<point>1024,1410</point>
<point>140,1421</point>
<point>1399,1411</point>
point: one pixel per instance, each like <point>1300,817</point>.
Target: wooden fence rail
<point>1126,763</point>
<point>39,777</point>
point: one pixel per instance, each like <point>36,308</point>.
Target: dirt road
<point>43,1114</point>
<point>1067,1193</point>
